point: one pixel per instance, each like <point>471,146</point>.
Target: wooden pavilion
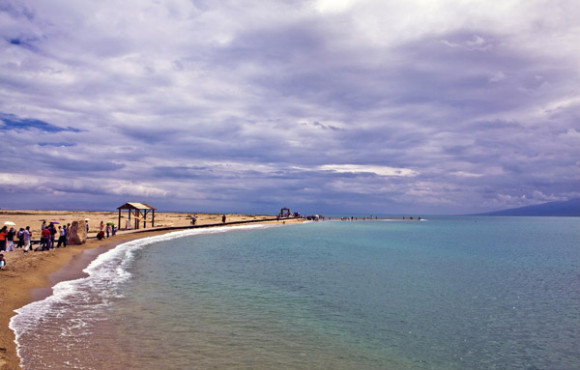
<point>139,212</point>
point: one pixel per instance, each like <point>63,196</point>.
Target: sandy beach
<point>30,276</point>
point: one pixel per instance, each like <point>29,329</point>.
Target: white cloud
<point>137,189</point>
<point>466,174</point>
<point>497,77</point>
<point>572,135</point>
<point>377,170</point>
<point>334,6</point>
<point>18,180</point>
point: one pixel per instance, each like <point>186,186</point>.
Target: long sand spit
<point>31,276</point>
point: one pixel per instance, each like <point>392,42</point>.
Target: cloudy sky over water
<point>329,106</point>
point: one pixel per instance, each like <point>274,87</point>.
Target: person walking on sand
<point>26,239</point>
<point>2,262</point>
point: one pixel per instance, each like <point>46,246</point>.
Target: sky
<point>324,106</point>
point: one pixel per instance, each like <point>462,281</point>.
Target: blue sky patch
<point>12,122</point>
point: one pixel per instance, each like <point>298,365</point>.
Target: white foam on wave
<point>105,275</point>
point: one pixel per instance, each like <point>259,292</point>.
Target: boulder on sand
<point>77,233</point>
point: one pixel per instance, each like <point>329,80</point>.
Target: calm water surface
<point>446,293</point>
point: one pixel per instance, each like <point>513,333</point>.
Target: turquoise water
<point>446,293</point>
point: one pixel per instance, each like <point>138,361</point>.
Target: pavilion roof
<point>133,205</point>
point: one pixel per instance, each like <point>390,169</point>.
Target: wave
<point>75,305</point>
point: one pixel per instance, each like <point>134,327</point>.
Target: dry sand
<point>29,276</point>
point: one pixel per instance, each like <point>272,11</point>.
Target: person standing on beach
<point>26,239</point>
<point>61,237</point>
<point>20,236</point>
<point>223,219</point>
<point>66,228</point>
<point>52,230</point>
<point>2,262</point>
<point>45,239</point>
<point>10,239</point>
<point>3,234</point>
<point>108,230</point>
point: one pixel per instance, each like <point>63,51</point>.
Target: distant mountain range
<point>569,208</point>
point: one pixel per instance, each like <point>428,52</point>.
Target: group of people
<point>23,238</point>
<point>7,241</point>
<point>105,231</point>
<point>48,236</point>
<point>7,237</point>
<point>51,237</point>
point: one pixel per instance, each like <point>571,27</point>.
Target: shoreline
<point>30,277</point>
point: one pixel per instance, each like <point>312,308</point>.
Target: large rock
<point>77,233</point>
